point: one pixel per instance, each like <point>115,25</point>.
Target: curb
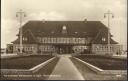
<point>26,71</point>
<point>101,71</point>
<point>36,68</point>
<point>96,69</point>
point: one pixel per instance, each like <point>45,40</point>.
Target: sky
<point>92,10</point>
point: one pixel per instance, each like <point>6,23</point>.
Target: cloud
<point>66,10</point>
<point>47,16</point>
<point>9,29</point>
<point>118,28</point>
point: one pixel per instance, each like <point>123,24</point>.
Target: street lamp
<point>108,14</point>
<point>20,14</point>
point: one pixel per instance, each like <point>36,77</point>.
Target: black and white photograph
<point>63,40</point>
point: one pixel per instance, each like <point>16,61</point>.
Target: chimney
<point>43,20</point>
<point>85,20</point>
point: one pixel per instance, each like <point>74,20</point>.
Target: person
<point>23,50</point>
<point>117,53</point>
<point>18,50</point>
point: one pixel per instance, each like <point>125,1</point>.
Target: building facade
<point>65,37</point>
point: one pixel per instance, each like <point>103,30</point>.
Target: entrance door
<point>64,49</point>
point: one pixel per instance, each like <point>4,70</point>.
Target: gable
<point>102,38</point>
<point>28,38</point>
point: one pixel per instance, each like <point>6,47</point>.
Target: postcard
<point>64,40</point>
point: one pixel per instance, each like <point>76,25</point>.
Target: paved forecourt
<point>65,70</point>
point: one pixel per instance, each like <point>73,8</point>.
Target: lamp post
<point>20,15</point>
<point>108,14</point>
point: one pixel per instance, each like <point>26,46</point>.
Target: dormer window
<point>76,32</point>
<point>25,39</point>
<point>52,32</point>
<point>103,39</point>
<point>85,33</point>
<point>85,20</point>
<point>64,29</point>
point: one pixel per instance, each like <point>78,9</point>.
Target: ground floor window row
<point>53,48</point>
<point>50,48</point>
<point>25,48</point>
<point>67,48</point>
<point>103,48</point>
<point>47,48</point>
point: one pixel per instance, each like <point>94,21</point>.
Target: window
<point>52,32</point>
<point>45,40</point>
<point>76,32</point>
<point>64,40</point>
<point>61,40</point>
<point>80,40</point>
<point>54,40</point>
<point>64,29</point>
<point>103,39</point>
<point>25,39</point>
<point>68,40</point>
<point>51,40</point>
<point>74,40</point>
<point>97,48</point>
<point>42,40</point>
<point>77,40</point>
<point>48,40</point>
<point>58,40</point>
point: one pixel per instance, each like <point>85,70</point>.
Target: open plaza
<point>63,67</point>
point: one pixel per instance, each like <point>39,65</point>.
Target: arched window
<point>103,39</point>
<point>25,38</point>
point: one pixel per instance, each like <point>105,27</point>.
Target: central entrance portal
<point>64,49</point>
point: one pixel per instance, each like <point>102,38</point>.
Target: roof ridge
<point>62,21</point>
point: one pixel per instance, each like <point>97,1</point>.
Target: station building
<point>65,37</point>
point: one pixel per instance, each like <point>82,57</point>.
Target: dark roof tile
<point>54,28</point>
